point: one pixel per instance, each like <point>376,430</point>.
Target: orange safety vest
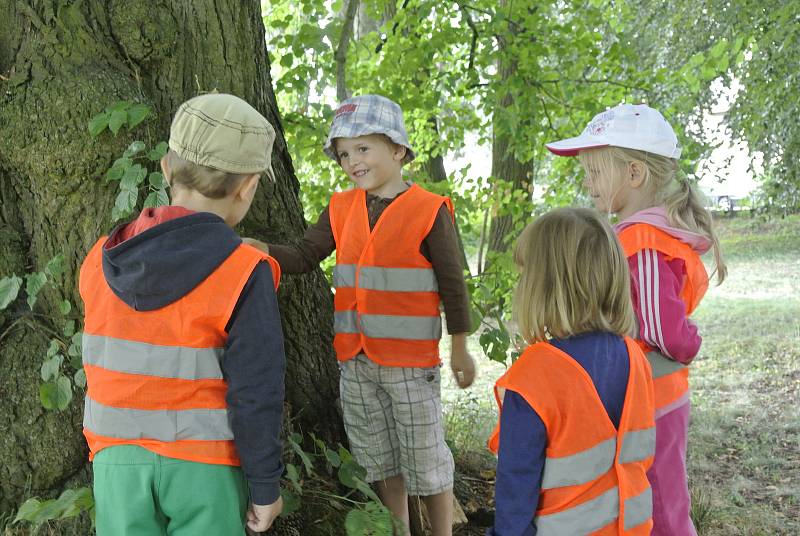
<point>387,297</point>
<point>595,476</point>
<point>670,377</point>
<point>154,377</point>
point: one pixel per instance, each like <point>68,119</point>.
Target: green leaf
<point>373,519</point>
<point>156,180</point>
<point>124,204</point>
<point>291,502</point>
<point>55,266</point>
<point>53,348</point>
<point>33,284</point>
<point>350,473</point>
<point>98,124</point>
<point>50,367</point>
<point>136,114</point>
<point>294,442</point>
<point>69,328</point>
<point>28,510</point>
<point>333,458</point>
<point>158,152</point>
<point>116,120</point>
<point>158,198</point>
<point>65,307</point>
<point>80,378</point>
<point>294,476</point>
<point>132,178</point>
<point>119,106</point>
<point>134,148</point>
<point>56,395</point>
<point>9,290</point>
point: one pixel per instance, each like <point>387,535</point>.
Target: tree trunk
<point>61,63</point>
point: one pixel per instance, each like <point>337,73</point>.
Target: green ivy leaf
<point>291,502</point>
<point>56,395</point>
<point>132,178</point>
<point>136,114</point>
<point>69,328</point>
<point>134,148</point>
<point>294,476</point>
<point>33,284</point>
<point>9,290</point>
<point>98,124</point>
<point>124,204</point>
<point>156,180</point>
<point>350,473</point>
<point>28,510</point>
<point>373,519</point>
<point>158,152</point>
<point>53,348</point>
<point>65,307</point>
<point>50,367</point>
<point>332,457</point>
<point>80,378</point>
<point>116,120</point>
<point>55,266</point>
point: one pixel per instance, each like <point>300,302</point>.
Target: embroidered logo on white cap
<point>632,126</point>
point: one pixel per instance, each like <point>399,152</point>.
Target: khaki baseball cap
<point>223,132</point>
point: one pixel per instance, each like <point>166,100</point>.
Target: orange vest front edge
<point>387,296</point>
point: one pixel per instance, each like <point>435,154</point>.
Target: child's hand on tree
<point>461,362</point>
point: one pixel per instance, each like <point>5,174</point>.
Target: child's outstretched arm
<point>305,256</point>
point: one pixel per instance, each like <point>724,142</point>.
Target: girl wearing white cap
<point>630,155</point>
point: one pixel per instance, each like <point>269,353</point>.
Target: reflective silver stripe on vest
<point>163,425</point>
<point>579,468</point>
<point>344,275</point>
<point>638,445</point>
<point>388,279</point>
<point>397,279</point>
<point>582,519</point>
<point>638,509</point>
<point>345,322</point>
<point>134,357</point>
<point>663,365</point>
<point>417,328</point>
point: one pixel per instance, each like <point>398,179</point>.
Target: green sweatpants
<point>140,493</point>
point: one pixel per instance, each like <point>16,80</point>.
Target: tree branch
<point>341,50</point>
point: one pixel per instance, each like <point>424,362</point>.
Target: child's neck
<point>390,188</point>
<point>194,200</point>
<point>637,201</point>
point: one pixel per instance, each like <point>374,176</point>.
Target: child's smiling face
<point>373,162</point>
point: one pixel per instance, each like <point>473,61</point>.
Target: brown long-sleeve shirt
<point>440,247</point>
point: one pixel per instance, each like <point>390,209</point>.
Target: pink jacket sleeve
<point>655,287</point>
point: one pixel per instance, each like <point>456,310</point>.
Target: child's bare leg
<point>440,512</point>
<point>392,492</point>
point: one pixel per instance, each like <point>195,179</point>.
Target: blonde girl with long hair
<point>580,389</point>
<point>630,156</point>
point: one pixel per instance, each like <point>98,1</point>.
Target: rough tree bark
<point>61,62</point>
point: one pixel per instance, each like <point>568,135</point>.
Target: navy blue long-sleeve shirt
<point>523,436</point>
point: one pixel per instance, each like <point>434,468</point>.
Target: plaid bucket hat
<point>223,132</point>
<point>368,114</point>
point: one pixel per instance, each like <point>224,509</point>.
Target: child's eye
<point>363,149</point>
<point>342,155</point>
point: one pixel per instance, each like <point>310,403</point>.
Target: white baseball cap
<point>632,126</point>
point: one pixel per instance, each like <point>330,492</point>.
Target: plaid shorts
<point>393,419</point>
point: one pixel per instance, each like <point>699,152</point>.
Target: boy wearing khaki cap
<point>183,348</point>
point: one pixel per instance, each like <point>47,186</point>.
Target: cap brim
<point>572,146</point>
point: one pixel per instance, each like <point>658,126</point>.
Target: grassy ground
<point>744,441</point>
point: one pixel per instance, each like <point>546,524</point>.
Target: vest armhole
<point>444,201</point>
<point>237,289</point>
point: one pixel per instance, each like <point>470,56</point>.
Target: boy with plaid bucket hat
<point>397,257</point>
<point>183,347</point>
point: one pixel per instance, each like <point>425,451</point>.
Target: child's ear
<point>165,170</point>
<point>637,173</point>
<point>247,188</point>
<point>400,152</point>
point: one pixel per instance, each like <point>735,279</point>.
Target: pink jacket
<point>656,286</point>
